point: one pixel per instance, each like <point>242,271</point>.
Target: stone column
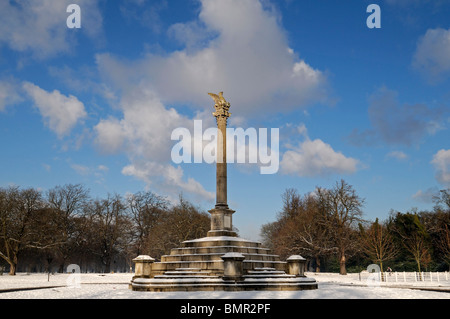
<point>221,165</point>
<point>143,266</point>
<point>296,265</point>
<point>233,268</point>
<point>221,215</point>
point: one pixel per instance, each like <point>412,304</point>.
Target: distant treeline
<point>47,231</point>
<point>42,232</point>
<point>327,227</point>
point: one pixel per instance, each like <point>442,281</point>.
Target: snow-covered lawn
<point>115,286</point>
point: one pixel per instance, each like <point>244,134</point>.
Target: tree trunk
<point>12,269</point>
<point>317,264</point>
<point>418,264</point>
<point>342,269</point>
<point>107,263</point>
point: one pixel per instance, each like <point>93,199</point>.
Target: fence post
<point>233,266</point>
<point>404,276</point>
<point>415,276</point>
<point>396,277</point>
<point>296,265</point>
<point>143,266</point>
<point>437,274</point>
<point>431,277</point>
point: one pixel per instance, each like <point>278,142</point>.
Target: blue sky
<point>97,105</point>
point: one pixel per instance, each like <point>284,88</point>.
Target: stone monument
<point>221,260</point>
<point>221,215</point>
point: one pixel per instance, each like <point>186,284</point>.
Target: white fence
<point>409,277</point>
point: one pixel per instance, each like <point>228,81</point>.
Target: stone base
<point>219,284</point>
<point>217,233</point>
<point>198,266</point>
<point>222,220</point>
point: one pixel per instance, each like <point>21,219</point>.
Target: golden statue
<point>221,105</point>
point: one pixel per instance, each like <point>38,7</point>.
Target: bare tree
<point>378,243</point>
<point>145,209</point>
<point>299,229</point>
<point>342,210</point>
<point>108,227</point>
<point>181,222</point>
<point>412,235</point>
<point>443,200</point>
<point>444,243</point>
<point>17,213</point>
<point>68,202</point>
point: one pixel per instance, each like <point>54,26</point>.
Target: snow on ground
<point>115,286</point>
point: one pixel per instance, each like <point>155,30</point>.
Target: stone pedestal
<point>221,222</point>
<point>217,263</point>
<point>143,266</point>
<point>296,265</point>
<point>221,260</point>
<point>232,266</point>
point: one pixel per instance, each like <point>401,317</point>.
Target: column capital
<point>221,106</point>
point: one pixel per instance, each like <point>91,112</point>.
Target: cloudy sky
<point>97,105</point>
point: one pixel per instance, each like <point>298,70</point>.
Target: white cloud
<point>427,195</point>
<point>239,48</point>
<point>39,26</point>
<point>168,178</point>
<point>145,129</point>
<point>81,169</point>
<point>102,168</point>
<point>441,162</point>
<point>144,134</point>
<point>316,158</point>
<point>97,172</point>
<point>8,94</point>
<point>432,56</point>
<point>61,113</point>
<point>144,12</point>
<point>399,155</point>
<point>234,46</point>
<point>399,124</point>
<point>110,136</point>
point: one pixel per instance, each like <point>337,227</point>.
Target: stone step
<point>220,241</point>
<point>258,272</point>
<point>164,276</point>
<point>264,269</point>
<point>181,273</point>
<point>219,249</point>
<point>173,265</point>
<point>266,272</point>
<point>211,284</point>
<point>216,266</point>
<point>215,256</point>
<point>282,274</point>
<point>188,269</point>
